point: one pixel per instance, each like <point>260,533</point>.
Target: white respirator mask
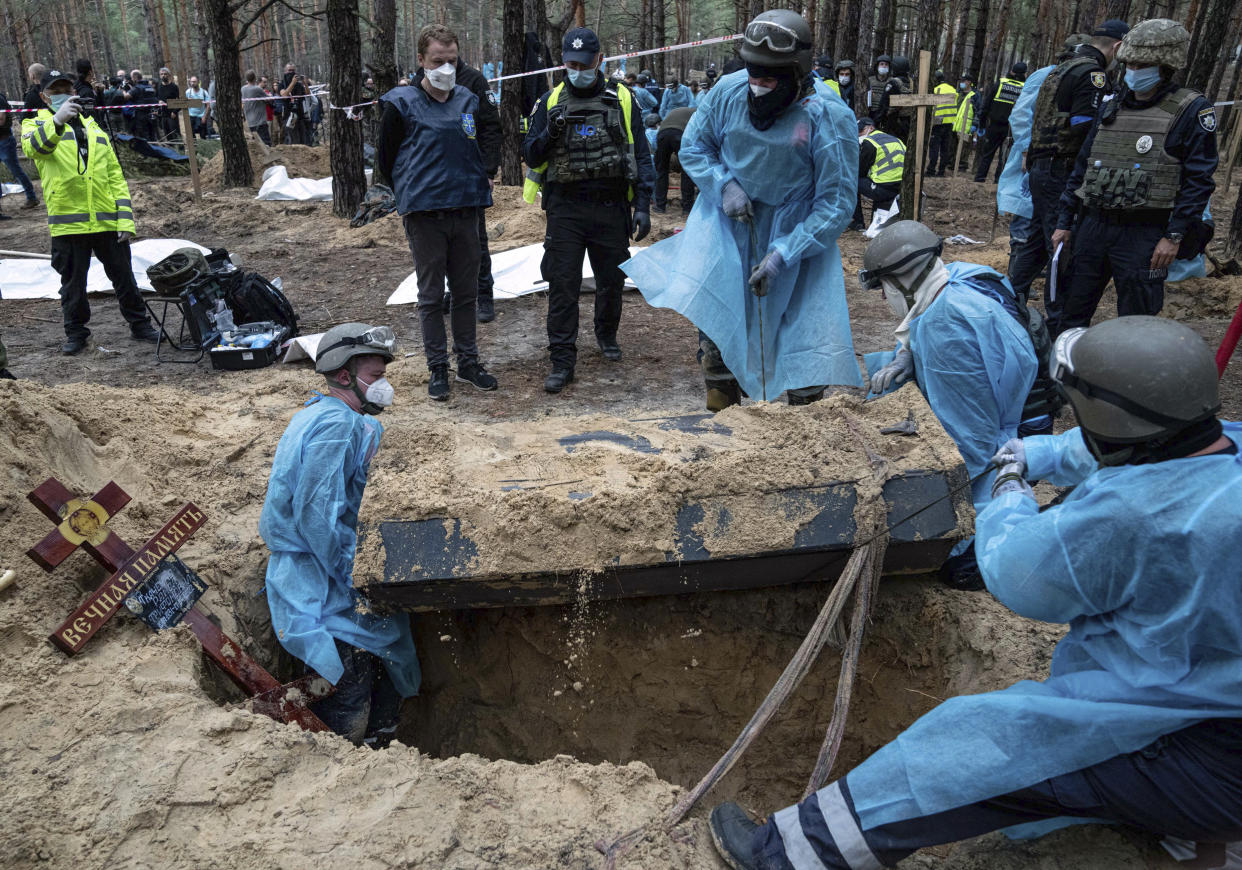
<point>760,90</point>
<point>378,396</point>
<point>443,77</point>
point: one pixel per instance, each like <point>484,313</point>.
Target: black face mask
<point>1190,440</point>
<point>766,109</point>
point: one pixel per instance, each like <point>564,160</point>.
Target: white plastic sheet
<point>36,279</point>
<point>277,185</point>
<point>516,273</point>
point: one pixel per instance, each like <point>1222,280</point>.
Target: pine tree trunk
<point>980,42</point>
<point>866,52</point>
<point>201,42</point>
<point>1233,244</point>
<point>1204,53</point>
<point>125,44</point>
<point>847,47</point>
<point>883,29</point>
<point>1218,73</point>
<point>349,181</point>
<point>109,58</point>
<point>153,38</point>
<point>513,40</point>
<point>383,65</point>
<point>230,121</point>
<point>996,40</point>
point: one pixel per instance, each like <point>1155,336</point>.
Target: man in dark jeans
<point>668,144</point>
<point>429,146</point>
<point>488,123</point>
<point>167,89</point>
<point>8,151</point>
<point>294,86</point>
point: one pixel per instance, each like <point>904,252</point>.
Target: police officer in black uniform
<point>1141,182</point>
<point>597,175</point>
<point>994,119</point>
<point>896,122</point>
<point>1068,104</point>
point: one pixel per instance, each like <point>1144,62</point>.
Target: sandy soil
<point>133,754</point>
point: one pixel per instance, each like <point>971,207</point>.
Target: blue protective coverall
<point>1141,562</point>
<point>975,365</point>
<point>675,98</point>
<point>309,522</point>
<point>800,175</point>
<point>1013,191</point>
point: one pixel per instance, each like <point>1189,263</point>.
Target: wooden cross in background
<point>923,102</point>
<point>83,522</point>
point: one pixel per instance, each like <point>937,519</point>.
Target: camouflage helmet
<point>1076,39</point>
<point>1158,41</point>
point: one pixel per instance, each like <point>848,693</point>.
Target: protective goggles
<point>870,278</point>
<point>781,39</point>
<point>376,338</point>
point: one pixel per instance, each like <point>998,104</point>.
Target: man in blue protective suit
<point>774,154</point>
<point>1028,246</point>
<point>1140,722</point>
<point>309,523</point>
<point>676,96</point>
<point>968,345</point>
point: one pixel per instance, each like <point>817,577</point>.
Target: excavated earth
<point>539,731</point>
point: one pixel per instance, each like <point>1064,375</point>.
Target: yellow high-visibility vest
<point>946,113</point>
<point>890,157</point>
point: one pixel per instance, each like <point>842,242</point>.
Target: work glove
<point>1012,452</point>
<point>772,263</point>
<point>900,369</point>
<point>735,202</point>
<point>556,121</point>
<point>642,226</point>
<point>124,236</point>
<point>1010,479</point>
<point>67,112</point>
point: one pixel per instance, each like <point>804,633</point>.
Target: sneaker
<point>30,203</point>
<point>438,386</point>
<point>145,332</point>
<point>658,209</point>
<point>486,310</point>
<point>733,835</point>
<point>474,373</point>
<point>73,345</point>
<point>610,348</point>
<point>558,380</point>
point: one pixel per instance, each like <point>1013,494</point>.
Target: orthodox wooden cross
<point>84,523</point>
<point>922,103</point>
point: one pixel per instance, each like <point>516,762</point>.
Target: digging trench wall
<point>671,681</point>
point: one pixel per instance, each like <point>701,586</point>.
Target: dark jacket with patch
<point>486,119</point>
<point>1191,139</point>
<point>438,164</point>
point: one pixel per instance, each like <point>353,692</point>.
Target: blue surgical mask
<point>57,100</point>
<point>1140,80</point>
<point>581,78</point>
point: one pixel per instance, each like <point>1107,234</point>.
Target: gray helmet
<point>778,38</point>
<point>342,343</point>
<point>844,64</point>
<point>884,58</point>
<point>651,119</point>
<point>1158,40</point>
<point>1076,39</point>
<point>1135,380</point>
<point>899,248</point>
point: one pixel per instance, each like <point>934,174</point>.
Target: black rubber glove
<point>556,121</point>
<point>642,225</point>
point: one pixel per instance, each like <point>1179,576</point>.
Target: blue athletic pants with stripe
<point>1186,785</point>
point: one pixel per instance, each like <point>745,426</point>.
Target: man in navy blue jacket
<point>429,146</point>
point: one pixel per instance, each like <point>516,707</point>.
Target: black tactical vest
<point>1050,126</point>
<point>1128,166</point>
<point>594,144</point>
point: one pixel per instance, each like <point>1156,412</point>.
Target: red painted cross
<point>83,523</point>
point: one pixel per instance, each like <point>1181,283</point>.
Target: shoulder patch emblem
<point>491,98</point>
<point>1098,79</point>
<point>1207,119</point>
<point>467,124</point>
<point>1143,145</point>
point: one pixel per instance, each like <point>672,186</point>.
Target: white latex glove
<point>124,236</point>
<point>1009,479</point>
<point>67,112</point>
<point>1012,452</point>
<point>735,203</point>
<point>900,369</point>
